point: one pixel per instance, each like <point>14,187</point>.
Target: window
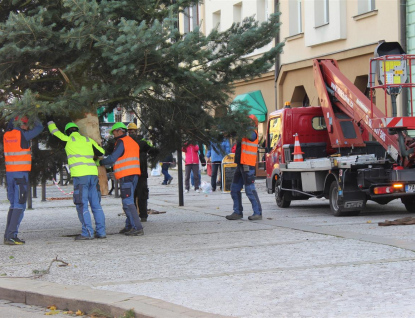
<point>237,13</point>
<point>262,10</point>
<point>216,20</point>
<point>318,123</point>
<point>118,117</point>
<point>364,6</point>
<point>321,12</point>
<point>274,131</point>
<point>191,19</point>
<point>295,19</point>
<point>299,97</point>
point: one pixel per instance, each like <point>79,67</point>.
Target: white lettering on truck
<point>342,94</point>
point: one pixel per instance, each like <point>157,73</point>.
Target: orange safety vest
<point>16,158</point>
<point>129,163</point>
<point>249,151</point>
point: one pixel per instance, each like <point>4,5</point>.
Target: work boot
<point>83,238</point>
<point>143,219</point>
<point>124,230</point>
<point>99,236</point>
<point>170,180</point>
<point>255,217</point>
<point>234,216</point>
<point>14,241</point>
<point>135,232</point>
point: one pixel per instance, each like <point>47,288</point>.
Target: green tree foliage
<point>68,57</point>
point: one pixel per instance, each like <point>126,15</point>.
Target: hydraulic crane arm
<point>349,102</point>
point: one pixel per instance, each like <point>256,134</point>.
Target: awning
<point>256,103</point>
<point>109,117</point>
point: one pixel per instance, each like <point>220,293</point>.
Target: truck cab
<point>283,124</point>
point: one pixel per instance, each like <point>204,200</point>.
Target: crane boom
<point>347,111</point>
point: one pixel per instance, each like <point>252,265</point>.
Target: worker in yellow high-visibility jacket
<point>81,152</point>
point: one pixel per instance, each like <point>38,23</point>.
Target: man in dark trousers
<point>126,169</point>
<point>245,158</point>
<point>141,191</point>
<point>18,161</point>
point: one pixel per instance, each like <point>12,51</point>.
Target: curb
<point>86,299</point>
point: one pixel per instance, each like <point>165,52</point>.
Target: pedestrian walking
<point>191,164</point>
<point>81,152</point>
<point>165,169</point>
<point>245,158</point>
<point>18,162</point>
<point>215,154</point>
<point>126,161</point>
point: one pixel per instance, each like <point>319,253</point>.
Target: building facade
<point>347,31</point>
<point>221,14</point>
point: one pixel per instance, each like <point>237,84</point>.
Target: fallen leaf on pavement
<point>52,312</point>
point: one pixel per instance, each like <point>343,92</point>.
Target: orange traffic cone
<point>298,154</point>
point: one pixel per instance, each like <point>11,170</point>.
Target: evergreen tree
<point>68,57</point>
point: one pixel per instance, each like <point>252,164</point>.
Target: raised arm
<point>56,132</point>
<point>32,133</point>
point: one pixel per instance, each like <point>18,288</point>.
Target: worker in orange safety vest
<point>18,161</point>
<point>245,158</point>
<point>126,161</point>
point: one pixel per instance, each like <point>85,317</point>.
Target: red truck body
<point>340,162</point>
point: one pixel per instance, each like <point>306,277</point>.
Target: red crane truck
<point>352,151</point>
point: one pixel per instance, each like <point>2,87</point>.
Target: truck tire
<point>281,197</point>
<point>333,199</point>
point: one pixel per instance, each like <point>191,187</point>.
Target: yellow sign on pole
<point>228,170</point>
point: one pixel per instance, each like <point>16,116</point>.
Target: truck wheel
<point>280,197</point>
<point>334,198</point>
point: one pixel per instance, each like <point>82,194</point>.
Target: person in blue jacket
<point>215,154</point>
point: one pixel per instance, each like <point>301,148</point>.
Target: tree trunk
<point>89,126</point>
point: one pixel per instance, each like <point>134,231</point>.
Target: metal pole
<point>116,195</point>
<point>61,176</point>
<point>43,191</point>
<point>34,191</point>
<point>403,34</point>
<point>29,197</point>
<point>180,175</point>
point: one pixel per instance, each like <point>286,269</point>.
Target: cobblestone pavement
<point>296,262</point>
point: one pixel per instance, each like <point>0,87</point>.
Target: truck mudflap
<point>345,198</point>
<point>352,200</point>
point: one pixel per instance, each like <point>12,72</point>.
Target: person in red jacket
<point>191,164</point>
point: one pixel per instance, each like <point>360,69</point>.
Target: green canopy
<point>256,103</point>
<point>110,116</point>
